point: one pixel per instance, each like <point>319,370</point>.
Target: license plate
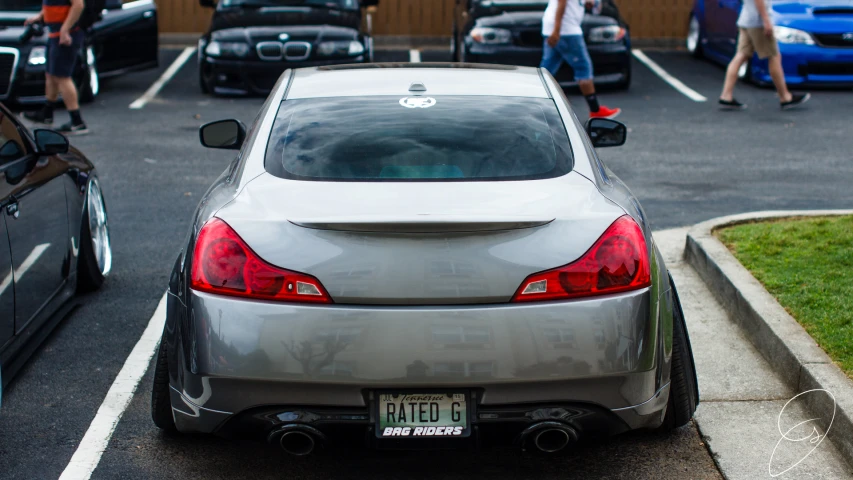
<point>422,415</point>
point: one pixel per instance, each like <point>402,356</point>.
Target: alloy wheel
<point>99,229</point>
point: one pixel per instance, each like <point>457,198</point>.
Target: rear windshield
<point>418,138</point>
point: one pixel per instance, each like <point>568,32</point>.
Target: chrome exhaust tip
<point>297,440</point>
<point>297,443</point>
<point>551,440</point>
<point>548,437</point>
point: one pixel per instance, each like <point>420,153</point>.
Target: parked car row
<point>250,42</point>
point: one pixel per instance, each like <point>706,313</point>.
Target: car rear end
<point>424,270</point>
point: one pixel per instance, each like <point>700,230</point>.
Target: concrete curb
<point>792,352</point>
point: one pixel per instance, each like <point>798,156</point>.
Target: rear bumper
<point>232,356</point>
<point>811,65</point>
<point>248,77</point>
<point>492,425</point>
<point>611,62</point>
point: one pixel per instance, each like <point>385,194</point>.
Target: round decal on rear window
<point>417,102</point>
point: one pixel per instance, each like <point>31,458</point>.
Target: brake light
<point>617,262</point>
<point>225,265</point>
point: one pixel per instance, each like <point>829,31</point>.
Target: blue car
<point>815,39</point>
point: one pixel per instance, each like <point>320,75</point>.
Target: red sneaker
<point>604,112</point>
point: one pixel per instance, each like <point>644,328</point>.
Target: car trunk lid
<point>420,243</point>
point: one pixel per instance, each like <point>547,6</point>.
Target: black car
<point>125,39</point>
<point>510,32</point>
<point>54,235</point>
<point>251,42</point>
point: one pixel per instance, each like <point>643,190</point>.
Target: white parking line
<point>27,263</point>
<point>415,56</point>
<point>170,72</point>
<point>666,77</point>
<point>97,437</point>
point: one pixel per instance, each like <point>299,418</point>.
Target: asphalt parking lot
<point>686,160</point>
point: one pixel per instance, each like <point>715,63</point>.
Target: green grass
<point>807,264</point>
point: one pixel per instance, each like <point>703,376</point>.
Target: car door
<point>7,286</point>
<point>722,25</point>
<point>36,221</point>
<point>126,37</point>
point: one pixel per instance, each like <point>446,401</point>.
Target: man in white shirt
<point>561,27</point>
<point>755,35</point>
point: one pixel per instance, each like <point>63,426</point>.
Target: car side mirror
<point>112,4</point>
<point>49,142</point>
<point>225,134</point>
<point>207,3</point>
<point>369,3</point>
<point>604,132</point>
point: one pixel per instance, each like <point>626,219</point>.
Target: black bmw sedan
<point>510,32</point>
<point>251,42</point>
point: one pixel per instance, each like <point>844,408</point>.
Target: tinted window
<point>418,139</point>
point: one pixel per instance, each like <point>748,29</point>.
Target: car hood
<point>420,242</point>
<point>533,20</point>
<point>310,34</point>
<point>815,16</point>
<point>283,17</point>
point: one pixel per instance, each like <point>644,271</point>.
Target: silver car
<point>420,256</point>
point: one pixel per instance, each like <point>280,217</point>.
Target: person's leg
<point>45,115</point>
<point>774,64</point>
<point>66,87</point>
<point>551,59</point>
<point>65,66</point>
<point>574,52</point>
<point>731,75</point>
<point>51,90</point>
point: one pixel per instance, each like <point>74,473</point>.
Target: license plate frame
<point>400,394</point>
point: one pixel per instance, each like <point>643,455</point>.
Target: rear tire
<point>683,387</point>
<point>161,403</point>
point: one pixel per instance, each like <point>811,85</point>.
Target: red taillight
<point>224,264</point>
<point>617,262</point>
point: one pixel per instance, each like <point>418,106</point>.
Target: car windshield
<point>418,138</point>
<point>347,4</point>
<point>20,5</point>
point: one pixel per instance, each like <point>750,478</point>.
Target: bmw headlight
<point>38,56</point>
<point>340,48</point>
<point>792,35</point>
<point>606,34</point>
<point>227,49</point>
<point>491,36</point>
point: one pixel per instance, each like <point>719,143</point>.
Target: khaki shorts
<point>751,40</point>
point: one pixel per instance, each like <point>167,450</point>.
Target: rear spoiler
<point>421,224</point>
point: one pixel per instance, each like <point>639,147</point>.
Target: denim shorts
<point>62,59</point>
<point>572,50</point>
